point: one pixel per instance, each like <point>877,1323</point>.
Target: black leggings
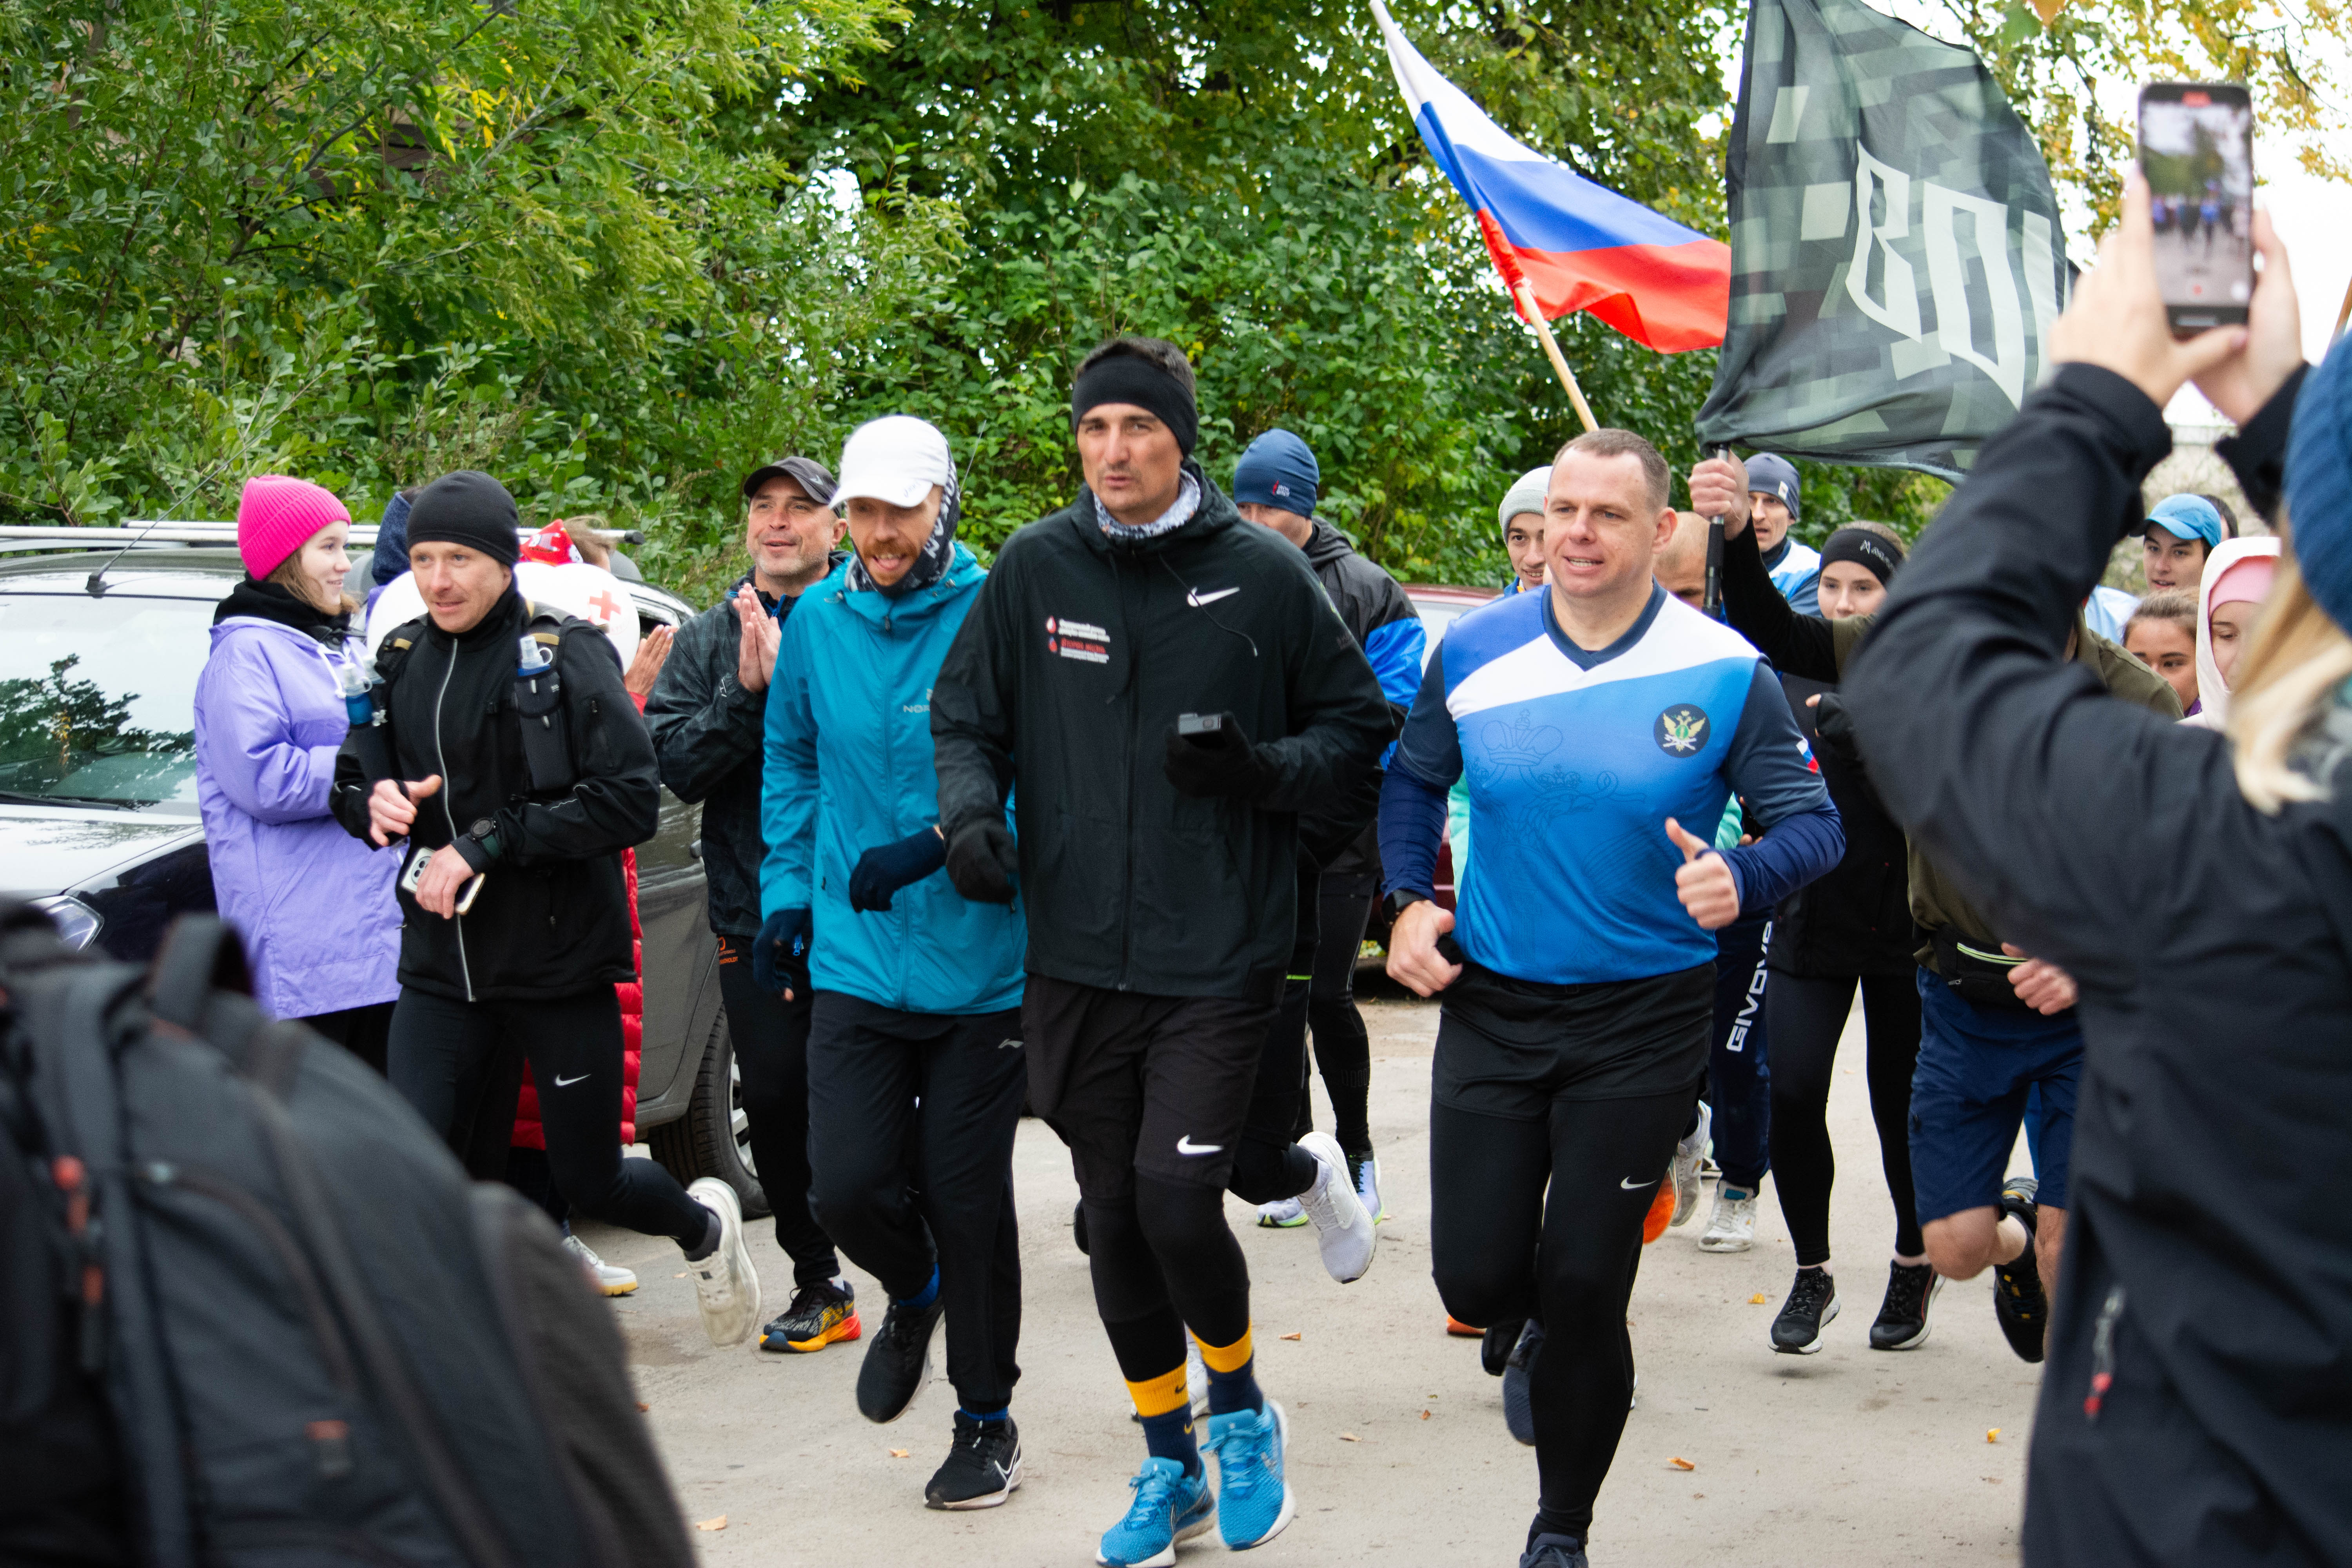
<point>1270,1165</point>
<point>365,1032</point>
<point>1807,1017</point>
<point>772,1038</point>
<point>1163,1261</point>
<point>1502,1251</point>
<point>442,1049</point>
<point>1343,1051</point>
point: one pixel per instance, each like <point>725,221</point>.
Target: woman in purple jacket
<point>315,905</point>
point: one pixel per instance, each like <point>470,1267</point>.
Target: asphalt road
<point>1399,1453</point>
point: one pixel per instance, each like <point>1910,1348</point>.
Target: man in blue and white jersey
<point>1592,722</point>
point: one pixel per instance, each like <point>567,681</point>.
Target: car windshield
<point>96,696</point>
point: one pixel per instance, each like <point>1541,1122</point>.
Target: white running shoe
<point>1196,1377</point>
<point>1342,1229</point>
<point>1688,1151</point>
<point>1732,1226</point>
<point>609,1278</point>
<point>1283,1214</point>
<point>726,1286</point>
<point>1368,1187</point>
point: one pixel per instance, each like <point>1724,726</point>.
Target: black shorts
<point>1157,1084</point>
<point>1509,1048</point>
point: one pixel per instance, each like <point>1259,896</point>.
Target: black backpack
<point>317,1341</point>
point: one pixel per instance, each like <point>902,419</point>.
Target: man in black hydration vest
<point>1163,689</point>
<point>516,917</point>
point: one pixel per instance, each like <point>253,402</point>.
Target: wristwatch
<point>485,835</point>
<point>1401,900</point>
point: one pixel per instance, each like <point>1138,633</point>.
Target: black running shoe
<point>1518,1398</point>
<point>899,1361</point>
<point>820,1315</point>
<point>2017,1299</point>
<point>1554,1551</point>
<point>1496,1345</point>
<point>1902,1322</point>
<point>983,1467</point>
<point>1811,1306</point>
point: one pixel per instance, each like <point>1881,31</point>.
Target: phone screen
<point>2196,147</point>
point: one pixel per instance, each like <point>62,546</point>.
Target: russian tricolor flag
<point>1576,246</point>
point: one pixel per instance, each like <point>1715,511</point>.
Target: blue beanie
<point>2319,482</point>
<point>1277,470</point>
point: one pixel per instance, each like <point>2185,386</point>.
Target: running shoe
<point>1252,1501</point>
<point>1811,1306</point>
<point>1518,1372</point>
<point>1662,1209</point>
<point>1342,1229</point>
<point>609,1278</point>
<point>1170,1506</point>
<point>2017,1299</point>
<point>1283,1214</point>
<point>820,1314</point>
<point>1196,1377</point>
<point>983,1467</point>
<point>1554,1551</point>
<point>726,1286</point>
<point>1494,1347</point>
<point>1459,1329</point>
<point>1689,1149</point>
<point>1367,1172</point>
<point>899,1361</point>
<point>1732,1226</point>
<point>1902,1322</point>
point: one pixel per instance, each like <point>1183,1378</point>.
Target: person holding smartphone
<point>515,924</point>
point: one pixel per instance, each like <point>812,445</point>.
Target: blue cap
<point>1277,470</point>
<point>2187,517</point>
<point>2318,470</point>
<point>1774,477</point>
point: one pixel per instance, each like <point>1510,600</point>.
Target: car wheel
<point>713,1138</point>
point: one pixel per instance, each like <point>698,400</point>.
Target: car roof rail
<point>62,537</point>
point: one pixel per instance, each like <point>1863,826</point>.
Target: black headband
<point>1131,378</point>
<point>1864,549</point>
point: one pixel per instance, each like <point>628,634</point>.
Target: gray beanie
<point>1528,495</point>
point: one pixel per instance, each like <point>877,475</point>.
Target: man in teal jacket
<point>915,1062</point>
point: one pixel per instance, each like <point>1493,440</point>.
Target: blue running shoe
<point>1253,1501</point>
<point>1170,1506</point>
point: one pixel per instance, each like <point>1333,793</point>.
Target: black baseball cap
<point>806,472</point>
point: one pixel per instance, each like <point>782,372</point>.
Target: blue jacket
<point>849,768</point>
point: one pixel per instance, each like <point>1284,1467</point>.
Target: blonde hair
<point>2287,682</point>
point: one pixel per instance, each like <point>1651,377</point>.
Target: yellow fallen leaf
<point>1682,1464</point>
<point>1290,1336</point>
<point>897,1453</point>
<point>1993,1434</point>
<point>1424,1416</point>
<point>719,1523</point>
<point>1757,1300</point>
<point>1351,1438</point>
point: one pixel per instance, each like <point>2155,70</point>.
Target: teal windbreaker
<point>849,768</point>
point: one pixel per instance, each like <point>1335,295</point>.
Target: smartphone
<point>417,860</point>
<point>2197,150</point>
<point>1199,723</point>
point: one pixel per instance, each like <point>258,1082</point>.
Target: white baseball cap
<point>895,460</point>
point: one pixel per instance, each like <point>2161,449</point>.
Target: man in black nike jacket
<point>1163,689</point>
<point>531,955</point>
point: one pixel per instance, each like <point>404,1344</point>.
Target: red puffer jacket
<point>527,1134</point>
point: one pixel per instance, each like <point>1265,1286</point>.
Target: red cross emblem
<point>605,606</point>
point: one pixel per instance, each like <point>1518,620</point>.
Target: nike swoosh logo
<point>568,1082</point>
<point>1197,598</point>
<point>1631,1185</point>
<point>1185,1146</point>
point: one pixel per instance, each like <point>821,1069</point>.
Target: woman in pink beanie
<point>314,905</point>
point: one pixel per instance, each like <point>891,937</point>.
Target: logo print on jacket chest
<point>1077,639</point>
<point>1680,731</point>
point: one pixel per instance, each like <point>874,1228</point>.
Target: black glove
<point>784,937</point>
<point>983,861</point>
<point>1217,761</point>
<point>1835,726</point>
<point>882,871</point>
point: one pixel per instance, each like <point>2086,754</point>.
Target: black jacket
<point>2210,944</point>
<point>1063,685</point>
<point>552,919</point>
<point>708,734</point>
<point>1370,602</point>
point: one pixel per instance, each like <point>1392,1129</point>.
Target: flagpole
<point>1526,298</point>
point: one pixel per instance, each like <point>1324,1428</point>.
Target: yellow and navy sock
<point>1165,1407</point>
<point>924,1296</point>
<point>1232,1376</point>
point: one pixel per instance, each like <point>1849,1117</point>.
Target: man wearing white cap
<point>915,1056</point>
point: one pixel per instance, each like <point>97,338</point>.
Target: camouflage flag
<point>1895,246</point>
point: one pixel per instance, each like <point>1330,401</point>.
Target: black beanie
<point>466,508</point>
<point>1866,549</point>
<point>1131,378</point>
